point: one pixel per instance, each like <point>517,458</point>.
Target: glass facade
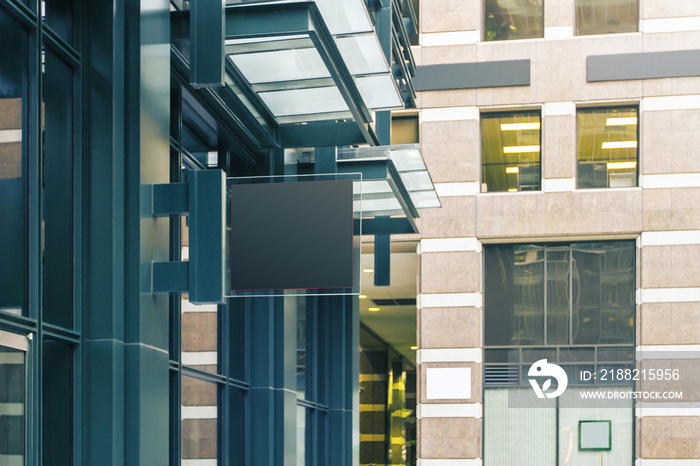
<point>605,17</point>
<point>573,305</point>
<point>552,294</point>
<point>510,151</point>
<point>607,147</point>
<point>513,19</point>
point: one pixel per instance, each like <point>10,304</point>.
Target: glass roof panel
<point>345,16</point>
<point>304,101</point>
<point>281,65</point>
<point>363,54</point>
<point>409,164</point>
<point>379,91</point>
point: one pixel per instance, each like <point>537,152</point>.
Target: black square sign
<point>296,235</point>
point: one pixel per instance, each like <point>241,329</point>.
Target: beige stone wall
<point>663,213</point>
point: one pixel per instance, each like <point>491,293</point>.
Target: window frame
<point>622,106</point>
<point>500,113</point>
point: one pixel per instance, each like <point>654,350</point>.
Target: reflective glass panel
<point>304,101</point>
<point>12,403</point>
<point>604,291</point>
<point>363,54</point>
<point>513,19</point>
<point>58,15</point>
<point>199,413</point>
<point>510,151</point>
<point>514,295</point>
<point>379,91</point>
<point>606,17</point>
<point>607,147</point>
<point>281,65</point>
<point>13,170</point>
<point>558,280</point>
<point>57,192</point>
<point>57,403</point>
<point>345,16</point>
<point>302,350</point>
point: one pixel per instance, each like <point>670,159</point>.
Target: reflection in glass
<point>607,147</point>
<point>13,172</point>
<point>302,350</point>
<point>590,289</point>
<point>199,412</point>
<point>513,19</point>
<point>510,145</point>
<point>302,434</point>
<point>57,402</point>
<point>606,17</point>
<point>12,404</point>
<point>57,192</point>
<point>58,14</point>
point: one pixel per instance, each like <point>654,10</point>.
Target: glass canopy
<point>379,198</point>
<point>297,76</point>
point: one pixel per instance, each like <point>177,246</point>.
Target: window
<point>607,147</point>
<point>510,147</point>
<point>513,19</point>
<point>606,17</point>
<point>560,294</point>
<point>572,304</point>
<point>404,129</point>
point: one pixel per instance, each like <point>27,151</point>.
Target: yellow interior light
<point>373,309</point>
<point>414,347</point>
<point>620,145</point>
<point>512,169</point>
<point>623,121</point>
<point>519,126</point>
<point>618,165</point>
<point>513,190</point>
<point>520,149</point>
<point>368,270</point>
<point>362,296</point>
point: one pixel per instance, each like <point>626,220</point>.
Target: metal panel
<point>207,43</point>
<point>647,65</point>
<point>472,75</point>
<point>207,227</point>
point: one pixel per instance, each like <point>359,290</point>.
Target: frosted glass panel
<point>345,16</point>
<point>577,410</point>
<point>304,101</point>
<point>379,92</point>
<point>518,436</point>
<point>362,54</point>
<point>281,65</point>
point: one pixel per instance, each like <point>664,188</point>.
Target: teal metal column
<point>103,242</point>
<point>147,128</point>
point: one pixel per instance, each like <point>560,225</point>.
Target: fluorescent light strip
<point>523,149</point>
<point>519,126</point>
<point>618,165</point>
<point>513,190</point>
<point>512,170</point>
<point>623,121</point>
<point>619,145</point>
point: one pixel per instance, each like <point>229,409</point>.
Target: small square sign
<point>294,235</point>
<point>595,435</point>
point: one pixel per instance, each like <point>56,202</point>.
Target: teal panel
<point>147,400</point>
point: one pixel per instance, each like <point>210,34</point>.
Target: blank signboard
<point>594,435</point>
<point>294,235</point>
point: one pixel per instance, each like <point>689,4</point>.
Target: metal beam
<point>207,43</point>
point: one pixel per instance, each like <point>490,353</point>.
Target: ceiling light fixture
<point>368,270</point>
<point>614,165</point>
<point>512,170</point>
<point>623,121</point>
<point>373,309</point>
<point>520,149</point>
<point>619,145</point>
<point>519,126</point>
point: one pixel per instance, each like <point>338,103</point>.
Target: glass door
<point>13,402</point>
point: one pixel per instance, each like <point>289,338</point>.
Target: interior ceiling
<point>395,324</point>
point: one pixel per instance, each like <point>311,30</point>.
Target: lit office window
<point>513,19</point>
<point>606,17</point>
<point>510,152</point>
<point>607,147</point>
<point>404,129</point>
